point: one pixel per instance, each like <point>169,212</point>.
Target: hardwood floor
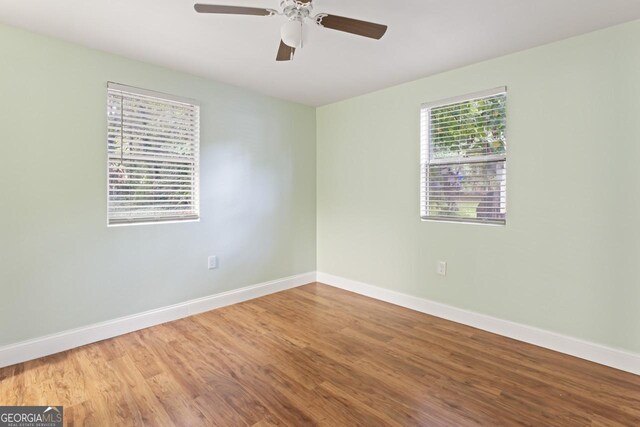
<point>320,355</point>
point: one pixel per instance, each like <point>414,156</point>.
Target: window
<point>153,153</point>
<point>463,159</point>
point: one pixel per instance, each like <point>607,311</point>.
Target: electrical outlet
<point>442,268</point>
<point>212,262</point>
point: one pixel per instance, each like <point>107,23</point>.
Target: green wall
<point>568,259</point>
<point>61,267</point>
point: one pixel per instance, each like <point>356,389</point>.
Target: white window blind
<point>153,144</point>
<point>463,159</point>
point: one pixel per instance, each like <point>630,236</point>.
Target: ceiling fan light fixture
<point>291,33</point>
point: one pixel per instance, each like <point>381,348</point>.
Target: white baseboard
<point>55,343</point>
<point>619,359</point>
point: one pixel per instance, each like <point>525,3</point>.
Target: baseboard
<point>51,344</point>
<point>55,343</point>
<point>615,358</point>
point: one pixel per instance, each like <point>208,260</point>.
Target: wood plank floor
<point>317,355</point>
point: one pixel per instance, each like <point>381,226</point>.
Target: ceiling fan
<point>298,12</point>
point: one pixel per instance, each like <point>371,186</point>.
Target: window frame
<point>195,176</point>
<point>426,162</point>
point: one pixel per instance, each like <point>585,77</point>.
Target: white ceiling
<point>424,37</point>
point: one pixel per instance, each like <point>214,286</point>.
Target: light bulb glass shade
<point>291,33</point>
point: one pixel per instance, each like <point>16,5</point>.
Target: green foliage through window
<point>464,160</point>
<point>153,149</point>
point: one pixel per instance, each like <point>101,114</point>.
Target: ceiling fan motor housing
<point>294,9</point>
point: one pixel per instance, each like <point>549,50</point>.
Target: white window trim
<point>196,178</point>
<point>152,93</point>
<point>424,155</point>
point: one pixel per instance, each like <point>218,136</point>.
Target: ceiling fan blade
<point>231,10</point>
<point>285,52</point>
<point>353,26</point>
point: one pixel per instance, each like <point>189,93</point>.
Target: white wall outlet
<point>212,262</point>
<point>442,268</point>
